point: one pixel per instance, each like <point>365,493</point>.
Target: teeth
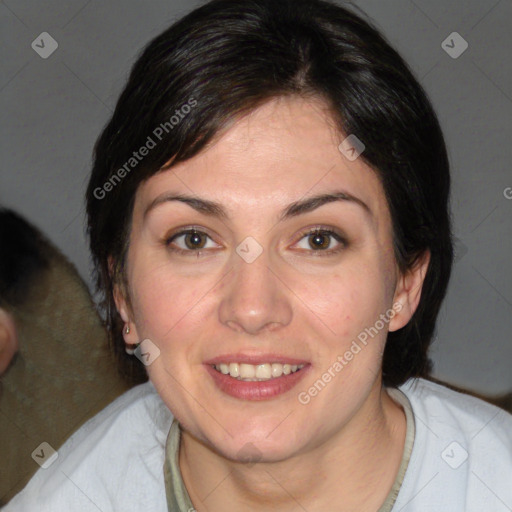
<point>247,371</point>
<point>234,370</point>
<point>264,371</point>
<point>259,372</point>
<point>277,370</point>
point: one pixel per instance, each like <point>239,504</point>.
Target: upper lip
<point>255,359</point>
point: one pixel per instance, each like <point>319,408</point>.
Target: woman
<point>268,216</point>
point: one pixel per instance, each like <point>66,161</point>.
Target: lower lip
<point>256,390</point>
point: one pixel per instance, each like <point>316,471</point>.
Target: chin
<point>261,443</point>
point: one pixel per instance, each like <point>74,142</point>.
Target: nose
<point>254,297</point>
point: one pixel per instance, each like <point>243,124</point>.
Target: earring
<point>130,349</point>
<point>127,329</point>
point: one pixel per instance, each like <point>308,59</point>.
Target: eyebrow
<point>294,209</point>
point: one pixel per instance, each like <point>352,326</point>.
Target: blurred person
<point>55,367</point>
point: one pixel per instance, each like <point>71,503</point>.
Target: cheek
<point>165,303</point>
<point>347,302</point>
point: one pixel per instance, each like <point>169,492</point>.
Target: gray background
<point>53,109</point>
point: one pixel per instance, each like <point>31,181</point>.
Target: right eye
<point>189,241</point>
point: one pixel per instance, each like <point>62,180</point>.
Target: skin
<point>342,450</point>
<point>8,340</point>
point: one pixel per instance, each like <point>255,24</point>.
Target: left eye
<point>320,240</point>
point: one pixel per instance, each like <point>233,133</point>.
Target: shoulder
<point>113,462</point>
<point>457,412</point>
<point>462,452</point>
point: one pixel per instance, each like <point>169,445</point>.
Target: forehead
<point>284,151</point>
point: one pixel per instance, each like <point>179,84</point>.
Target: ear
<point>123,307</point>
<point>8,340</point>
<point>408,292</point>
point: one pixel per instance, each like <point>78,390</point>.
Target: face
<point>8,340</point>
<point>256,277</point>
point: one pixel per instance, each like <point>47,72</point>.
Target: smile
<point>261,381</point>
<point>259,372</point>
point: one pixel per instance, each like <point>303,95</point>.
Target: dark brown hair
<point>24,255</point>
<point>228,57</point>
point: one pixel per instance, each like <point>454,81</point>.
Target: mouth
<point>256,378</point>
<point>257,373</point>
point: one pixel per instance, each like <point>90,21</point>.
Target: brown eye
<point>195,240</point>
<point>322,242</point>
<point>319,240</point>
<point>190,241</point>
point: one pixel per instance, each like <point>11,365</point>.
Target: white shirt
<point>461,458</point>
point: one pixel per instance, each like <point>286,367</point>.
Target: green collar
<point>178,499</point>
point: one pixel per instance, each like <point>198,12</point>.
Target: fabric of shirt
<point>461,459</point>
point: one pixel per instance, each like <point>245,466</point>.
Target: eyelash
<point>325,231</point>
<point>319,230</point>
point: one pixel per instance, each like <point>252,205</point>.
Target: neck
<point>354,469</point>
